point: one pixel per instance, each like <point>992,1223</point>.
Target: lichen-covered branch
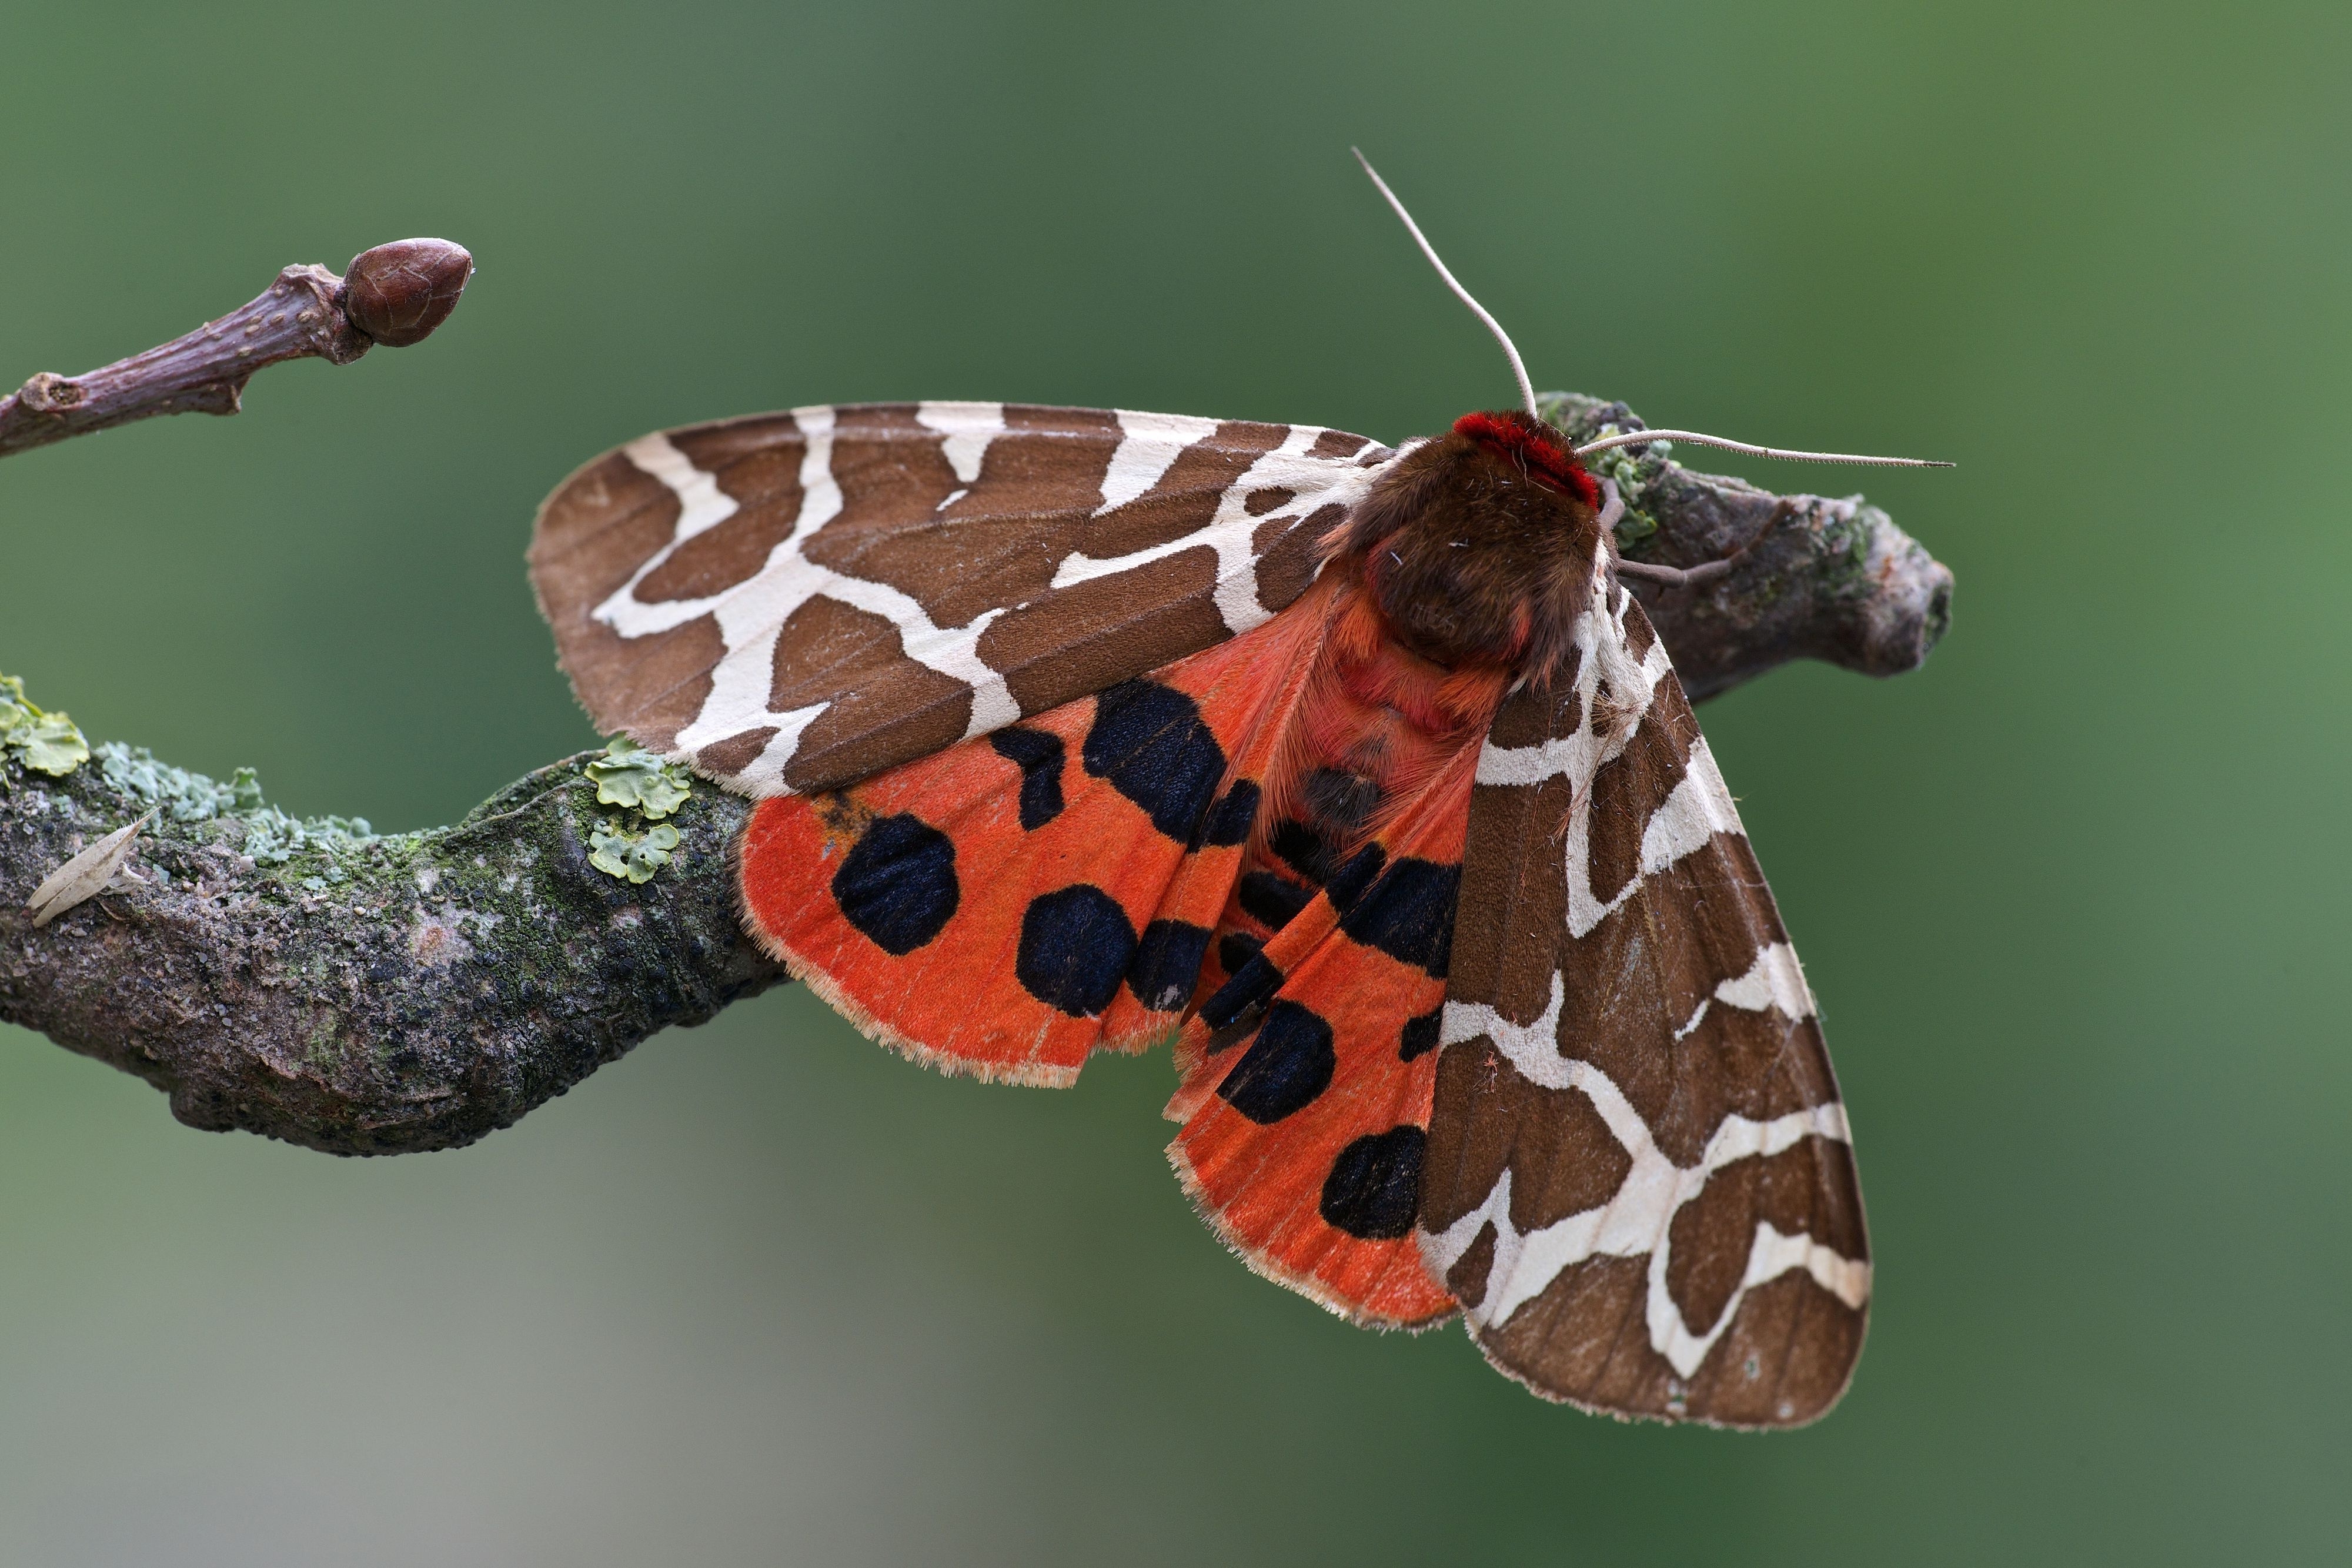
<point>1811,577</point>
<point>365,994</point>
<point>361,994</point>
<point>394,295</point>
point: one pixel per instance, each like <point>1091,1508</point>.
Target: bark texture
<point>1811,577</point>
<point>369,995</point>
<point>378,995</point>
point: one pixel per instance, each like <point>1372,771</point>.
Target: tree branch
<point>394,295</point>
<point>366,994</point>
<point>1809,577</point>
<point>363,995</point>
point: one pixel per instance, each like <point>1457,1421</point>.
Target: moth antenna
<point>1637,437</point>
<point>1518,366</point>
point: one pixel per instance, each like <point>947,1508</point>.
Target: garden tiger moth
<point>1355,771</point>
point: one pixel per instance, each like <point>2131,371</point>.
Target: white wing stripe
<point>750,612</point>
<point>1775,981</point>
<point>1149,445</point>
<point>1610,680</point>
<point>1697,809</point>
<point>1230,531</point>
<point>702,504</point>
<point>1639,1217</point>
<point>969,428</point>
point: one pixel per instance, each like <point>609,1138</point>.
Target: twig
<point>394,295</point>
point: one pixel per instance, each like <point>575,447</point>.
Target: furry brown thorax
<point>1478,546</point>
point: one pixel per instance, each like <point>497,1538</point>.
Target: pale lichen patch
<point>616,851</point>
<point>635,844</point>
<point>433,941</point>
<point>627,775</point>
<point>267,834</point>
<point>439,937</point>
<point>46,742</point>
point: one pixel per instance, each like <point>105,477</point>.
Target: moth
<point>1352,769</point>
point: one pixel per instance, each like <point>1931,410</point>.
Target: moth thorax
<point>1478,546</point>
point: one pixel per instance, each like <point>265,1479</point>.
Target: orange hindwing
<point>1307,1074</point>
<point>1024,898</point>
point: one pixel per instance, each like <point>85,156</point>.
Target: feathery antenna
<point>1518,366</point>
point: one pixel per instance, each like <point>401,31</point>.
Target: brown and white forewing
<point>791,601</point>
<point>1639,1182</point>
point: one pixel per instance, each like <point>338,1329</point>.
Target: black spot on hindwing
<point>1302,849</point>
<point>1374,1189</point>
<point>1038,754</point>
<point>1228,821</point>
<point>1285,1067</point>
<point>1345,801</point>
<point>1355,874</point>
<point>1167,963</point>
<point>897,883</point>
<point>1245,989</point>
<point>1075,946</point>
<point>1235,949</point>
<point>1271,899</point>
<point>1409,913</point>
<point>1149,741</point>
<point>1418,1036</point>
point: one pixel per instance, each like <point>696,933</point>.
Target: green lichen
<point>271,836</point>
<point>1844,554</point>
<point>628,775</point>
<point>637,856</point>
<point>45,742</point>
<point>1634,527</point>
<point>1634,474</point>
<point>1583,419</point>
<point>637,844</point>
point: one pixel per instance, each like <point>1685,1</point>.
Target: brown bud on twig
<point>398,293</point>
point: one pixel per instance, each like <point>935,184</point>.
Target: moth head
<point>1534,448</point>
<point>1478,547</point>
<point>1481,546</point>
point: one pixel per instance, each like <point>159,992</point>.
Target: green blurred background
<point>762,1293</point>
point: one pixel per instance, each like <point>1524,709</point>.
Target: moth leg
<point>1675,576</point>
<point>1705,571</point>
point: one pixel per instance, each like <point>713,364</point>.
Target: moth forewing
<point>1635,1122</point>
<point>795,601</point>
